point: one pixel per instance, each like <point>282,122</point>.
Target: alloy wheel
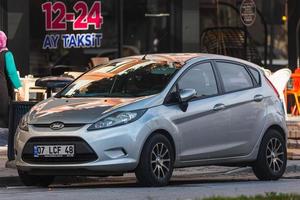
<point>275,155</point>
<point>160,160</point>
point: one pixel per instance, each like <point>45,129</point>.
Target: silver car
<point>150,114</point>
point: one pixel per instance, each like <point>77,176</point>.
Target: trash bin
<point>17,111</point>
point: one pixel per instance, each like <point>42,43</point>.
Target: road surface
<point>125,188</point>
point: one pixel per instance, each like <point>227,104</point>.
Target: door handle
<point>258,98</point>
<point>219,107</point>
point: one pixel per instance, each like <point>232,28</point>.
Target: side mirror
<point>187,94</point>
<point>184,96</point>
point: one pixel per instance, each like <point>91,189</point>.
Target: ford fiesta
<point>151,114</point>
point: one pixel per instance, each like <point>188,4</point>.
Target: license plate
<point>53,151</point>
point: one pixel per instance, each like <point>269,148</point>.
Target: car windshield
<point>124,78</point>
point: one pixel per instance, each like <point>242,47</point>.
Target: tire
<point>156,162</point>
<point>272,157</point>
<point>33,180</point>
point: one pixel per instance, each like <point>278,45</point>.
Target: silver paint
<point>203,135</point>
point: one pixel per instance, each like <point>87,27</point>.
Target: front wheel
<point>33,180</point>
<point>156,163</point>
<point>272,157</point>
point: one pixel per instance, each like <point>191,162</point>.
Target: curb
<point>10,181</point>
<point>292,168</point>
<point>13,181</point>
<point>289,169</point>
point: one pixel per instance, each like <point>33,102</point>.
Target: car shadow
<point>130,182</point>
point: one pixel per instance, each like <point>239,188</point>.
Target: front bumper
<point>116,150</point>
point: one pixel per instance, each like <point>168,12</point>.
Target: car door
<point>244,100</point>
<point>206,120</point>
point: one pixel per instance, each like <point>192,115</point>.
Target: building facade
<point>43,34</point>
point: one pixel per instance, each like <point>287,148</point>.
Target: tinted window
<point>255,74</point>
<point>201,78</point>
<point>235,77</point>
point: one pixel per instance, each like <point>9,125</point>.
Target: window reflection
<point>125,78</point>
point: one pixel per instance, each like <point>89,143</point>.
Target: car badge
<point>57,125</point>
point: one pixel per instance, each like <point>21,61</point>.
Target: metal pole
<point>3,15</point>
<point>245,43</point>
<point>297,43</point>
<point>266,36</point>
<point>271,45</point>
<point>120,28</point>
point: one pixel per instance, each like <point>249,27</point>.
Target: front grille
<point>83,152</point>
<point>65,125</point>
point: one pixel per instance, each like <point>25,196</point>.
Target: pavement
<point>177,190</point>
<point>9,176</point>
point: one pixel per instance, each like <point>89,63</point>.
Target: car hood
<point>75,110</point>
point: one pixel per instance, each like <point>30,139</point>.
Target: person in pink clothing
<point>3,40</point>
<point>9,80</point>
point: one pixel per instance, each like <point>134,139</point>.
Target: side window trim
<point>257,84</point>
<point>218,77</point>
<point>235,63</point>
<point>185,71</point>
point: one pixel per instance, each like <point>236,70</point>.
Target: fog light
<point>115,153</point>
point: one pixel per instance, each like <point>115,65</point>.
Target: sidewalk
<point>9,176</point>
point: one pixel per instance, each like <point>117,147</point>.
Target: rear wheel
<point>33,180</point>
<point>156,163</point>
<point>272,157</point>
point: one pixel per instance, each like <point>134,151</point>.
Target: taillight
<point>272,86</point>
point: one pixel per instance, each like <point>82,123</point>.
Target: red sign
<point>57,18</point>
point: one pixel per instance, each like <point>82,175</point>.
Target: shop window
<point>43,59</point>
<point>147,26</point>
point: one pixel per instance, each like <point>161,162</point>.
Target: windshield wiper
<point>65,96</point>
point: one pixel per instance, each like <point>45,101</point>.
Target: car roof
<point>187,57</point>
<point>171,57</point>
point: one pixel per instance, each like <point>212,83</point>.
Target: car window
<point>235,77</point>
<point>201,78</point>
<point>124,78</point>
<point>255,74</point>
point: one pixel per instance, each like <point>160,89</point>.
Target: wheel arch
<point>261,167</point>
<point>271,126</point>
<point>164,133</point>
<point>279,129</point>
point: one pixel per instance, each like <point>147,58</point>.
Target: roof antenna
<point>144,57</point>
<point>159,39</point>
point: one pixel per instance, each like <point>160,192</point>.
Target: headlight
<point>23,125</point>
<point>117,119</point>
